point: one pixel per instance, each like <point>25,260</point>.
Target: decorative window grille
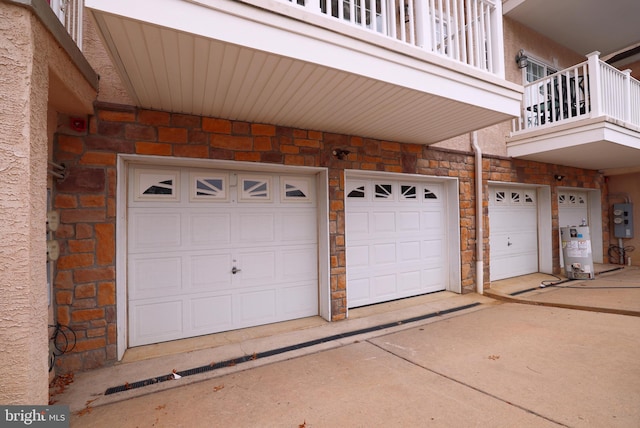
<point>209,187</point>
<point>383,191</point>
<point>255,189</point>
<point>156,184</point>
<point>408,192</point>
<point>428,194</point>
<point>295,189</point>
<point>358,192</point>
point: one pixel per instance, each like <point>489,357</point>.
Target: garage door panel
<point>409,282</point>
<point>432,220</point>
<point>358,291</point>
<point>513,240</point>
<point>155,230</point>
<point>432,250</point>
<point>357,224</point>
<point>358,255</point>
<point>384,286</point>
<point>297,263</point>
<point>384,253</point>
<point>573,210</point>
<point>210,229</point>
<point>294,303</point>
<point>256,228</point>
<point>152,320</point>
<point>387,257</point>
<point>433,277</point>
<point>182,249</point>
<point>256,307</point>
<point>211,313</point>
<point>210,272</point>
<point>298,227</point>
<point>383,222</point>
<point>409,221</point>
<point>409,251</point>
<point>516,265</point>
<point>257,267</point>
<point>155,276</point>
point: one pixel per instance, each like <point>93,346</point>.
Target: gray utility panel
<point>623,221</point>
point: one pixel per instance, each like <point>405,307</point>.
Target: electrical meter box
<point>623,221</point>
<point>576,250</point>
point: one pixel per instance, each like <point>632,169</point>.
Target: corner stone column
<point>23,165</point>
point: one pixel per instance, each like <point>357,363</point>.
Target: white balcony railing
<point>590,89</point>
<point>70,14</point>
<point>467,31</point>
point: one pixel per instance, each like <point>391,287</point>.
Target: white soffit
<point>239,62</point>
<point>606,147</point>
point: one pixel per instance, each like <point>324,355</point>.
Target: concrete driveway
<point>492,363</point>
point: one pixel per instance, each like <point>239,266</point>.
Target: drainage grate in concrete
<point>245,358</point>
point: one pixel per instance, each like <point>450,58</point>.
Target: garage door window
<point>384,191</point>
<point>571,199</point>
<point>209,187</point>
<point>255,189</point>
<point>428,194</point>
<point>408,192</point>
<point>358,192</point>
<point>156,185</point>
<point>295,189</point>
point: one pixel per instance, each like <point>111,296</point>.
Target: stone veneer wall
<point>85,291</point>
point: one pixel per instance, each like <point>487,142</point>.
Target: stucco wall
<point>516,36</point>
<point>23,157</point>
<point>39,78</point>
<point>635,69</point>
<point>112,90</point>
<point>627,185</point>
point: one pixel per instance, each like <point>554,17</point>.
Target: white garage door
<point>513,223</point>
<point>211,251</point>
<point>395,238</point>
<point>573,209</point>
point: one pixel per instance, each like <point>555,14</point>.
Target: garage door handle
<point>235,270</point>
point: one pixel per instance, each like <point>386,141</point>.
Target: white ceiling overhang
<point>278,64</point>
<point>598,144</point>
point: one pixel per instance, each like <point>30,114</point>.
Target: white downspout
<point>479,216</point>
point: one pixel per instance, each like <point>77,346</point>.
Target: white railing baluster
<point>626,90</point>
<point>488,44</point>
<point>423,38</point>
<point>432,26</point>
<point>455,31</point>
<point>70,14</point>
<point>466,31</point>
<point>412,22</point>
<point>590,89</point>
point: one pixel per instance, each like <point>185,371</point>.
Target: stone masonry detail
<point>85,280</point>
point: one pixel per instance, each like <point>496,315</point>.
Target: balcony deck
<point>315,65</point>
<point>586,116</point>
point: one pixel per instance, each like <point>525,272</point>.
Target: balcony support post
<point>595,84</point>
<point>497,38</point>
<point>423,37</point>
<point>313,6</point>
<point>627,96</point>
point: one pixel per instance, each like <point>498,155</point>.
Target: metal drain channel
<point>516,293</point>
<point>245,358</point>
